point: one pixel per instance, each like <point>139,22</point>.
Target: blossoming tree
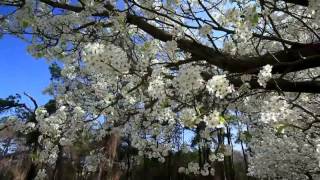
<point>233,72</point>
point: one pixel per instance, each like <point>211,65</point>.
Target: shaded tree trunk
<point>110,170</point>
<point>219,171</point>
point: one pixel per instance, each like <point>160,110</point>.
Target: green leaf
<point>280,128</point>
<point>165,103</point>
<point>25,24</point>
<point>230,118</point>
<point>245,136</point>
<point>222,120</point>
<point>255,19</point>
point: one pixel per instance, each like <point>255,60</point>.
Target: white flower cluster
<point>188,80</point>
<point>51,125</point>
<point>265,75</point>
<point>93,49</point>
<point>41,113</point>
<point>276,109</point>
<point>314,7</point>
<point>165,115</point>
<point>219,86</point>
<point>159,127</point>
<point>286,156</point>
<point>49,154</point>
<point>194,168</point>
<point>41,174</point>
<point>318,152</point>
<point>206,134</point>
<point>205,30</point>
<point>151,149</point>
<point>216,157</point>
<point>188,117</point>
<point>229,46</point>
<point>243,32</point>
<point>212,157</point>
<point>213,120</point>
<point>242,20</point>
<point>156,88</point>
<point>27,128</point>
<point>171,48</point>
<point>92,161</point>
<point>54,132</point>
<point>105,58</point>
<point>69,71</point>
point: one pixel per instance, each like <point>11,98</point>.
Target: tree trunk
<point>110,170</point>
<point>219,171</point>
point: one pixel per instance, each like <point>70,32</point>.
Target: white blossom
<point>265,75</point>
<point>213,119</point>
<point>205,30</point>
<point>219,86</point>
<point>41,175</point>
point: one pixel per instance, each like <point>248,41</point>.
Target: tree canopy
<point>137,79</point>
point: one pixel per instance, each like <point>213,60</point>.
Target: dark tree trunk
<point>32,172</point>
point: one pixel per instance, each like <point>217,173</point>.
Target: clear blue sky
<point>20,72</point>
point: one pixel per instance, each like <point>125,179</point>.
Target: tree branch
<point>33,101</point>
<point>283,85</point>
<point>298,2</point>
<point>63,6</point>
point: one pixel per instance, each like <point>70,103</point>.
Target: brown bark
<point>219,171</point>
<point>110,170</point>
<point>298,2</point>
<point>19,166</point>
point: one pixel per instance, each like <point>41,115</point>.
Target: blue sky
<point>20,72</point>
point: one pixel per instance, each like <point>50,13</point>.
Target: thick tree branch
<point>197,50</point>
<point>298,2</point>
<point>63,5</point>
<point>283,85</point>
<point>35,104</point>
<point>292,60</point>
